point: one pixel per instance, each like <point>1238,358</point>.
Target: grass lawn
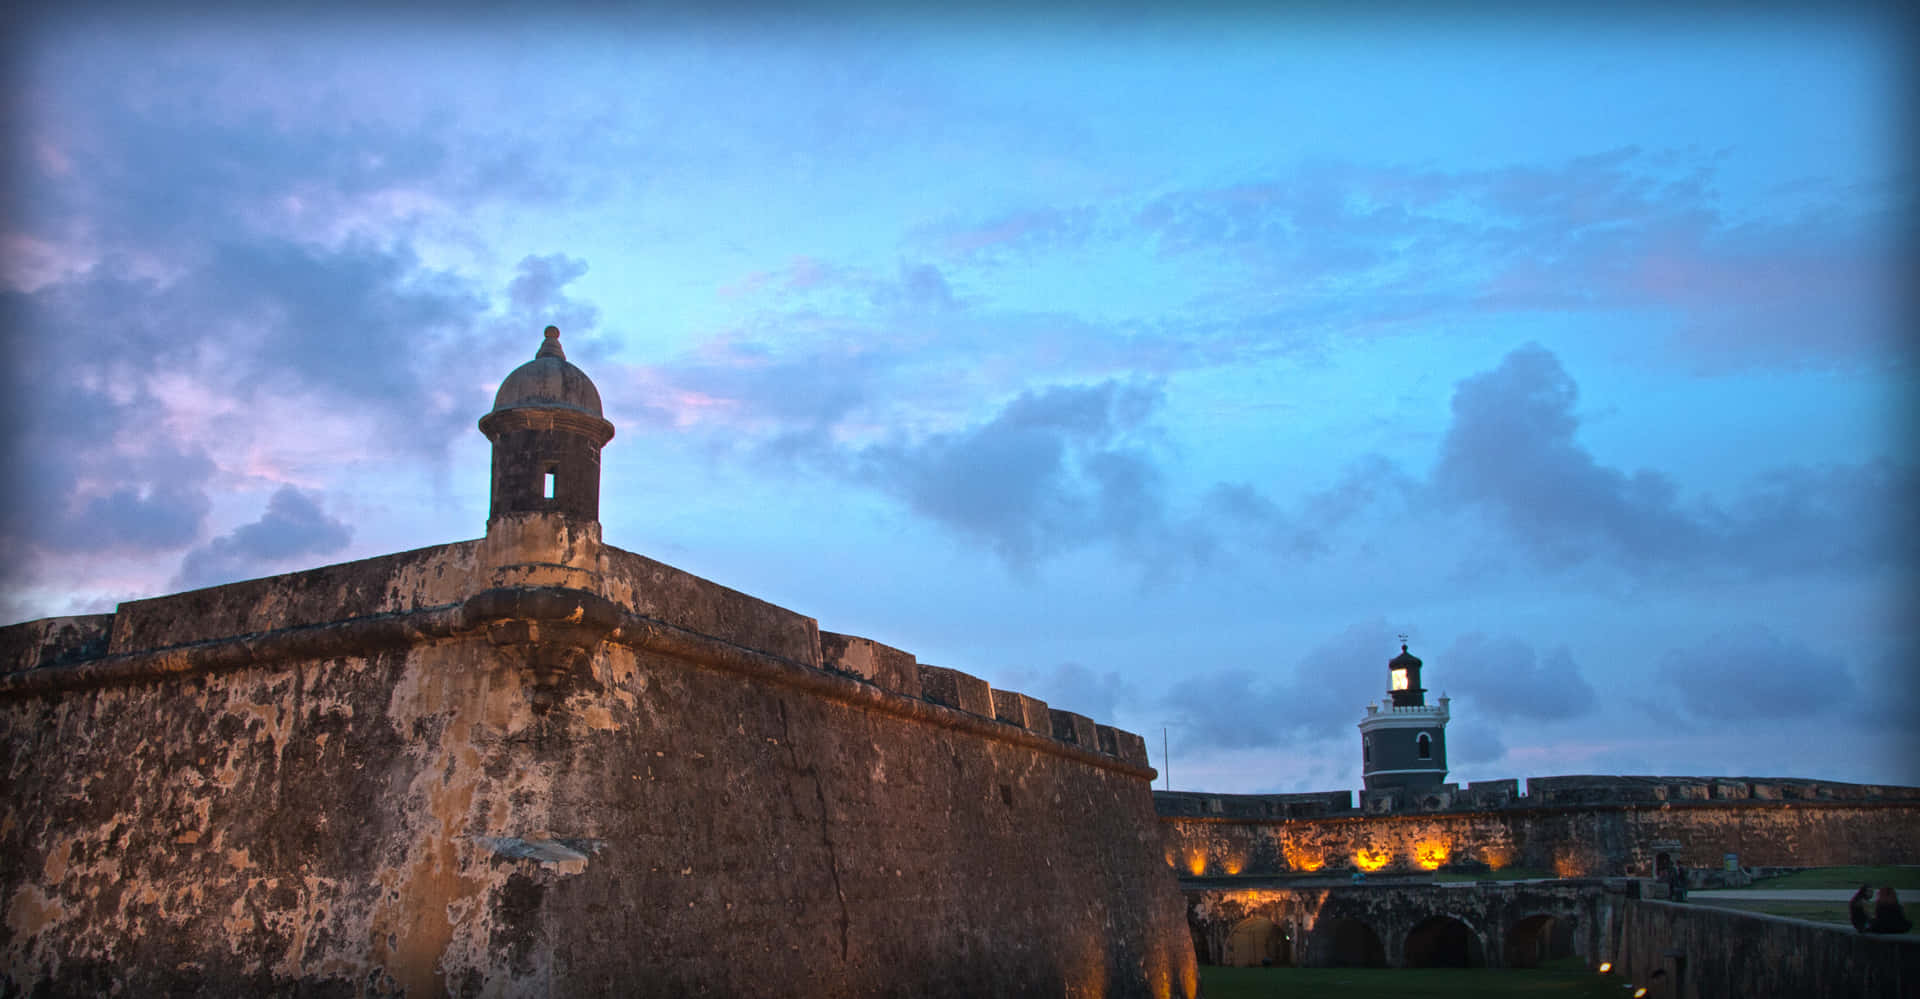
<point>1905,878</point>
<point>1406,983</point>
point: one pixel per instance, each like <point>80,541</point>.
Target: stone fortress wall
<point>1574,826</point>
<point>535,764</point>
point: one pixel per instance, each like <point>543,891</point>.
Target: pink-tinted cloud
<point>1037,230</point>
<point>1621,231</point>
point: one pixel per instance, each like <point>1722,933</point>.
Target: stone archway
<point>1257,942</point>
<point>1350,943</point>
<point>1444,942</point>
<point>1536,938</point>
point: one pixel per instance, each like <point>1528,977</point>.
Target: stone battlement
<point>548,728</point>
<point>354,606</point>
<point>1540,792</point>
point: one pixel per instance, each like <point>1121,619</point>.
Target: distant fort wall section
<point>533,764</point>
<point>1573,826</point>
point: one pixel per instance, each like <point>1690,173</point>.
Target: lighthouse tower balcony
<point>1386,711</point>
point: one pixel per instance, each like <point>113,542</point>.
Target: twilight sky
<point>1165,369</point>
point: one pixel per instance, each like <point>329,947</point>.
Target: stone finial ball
<point>553,332</point>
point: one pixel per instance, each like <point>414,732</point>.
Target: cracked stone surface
<point>340,782</point>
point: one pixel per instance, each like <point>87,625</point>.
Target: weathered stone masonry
<point>536,764</point>
<point>1574,826</point>
<point>346,777</point>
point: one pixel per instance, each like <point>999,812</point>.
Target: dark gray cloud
<point>1755,674</point>
<point>921,287</point>
<point>293,527</point>
<point>1511,451</point>
<point>196,253</point>
<point>1812,519</point>
<point>259,321</point>
<point>1234,709</point>
<point>1319,695</point>
<point>209,269</point>
<point>157,515</point>
<point>1506,679</point>
<point>1891,695</point>
<point>538,296</point>
<point>1054,469</point>
<point>88,468</point>
<point>1474,744</point>
<point>1065,467</point>
<point>1314,526</point>
<point>1889,703</point>
<point>163,152</point>
<point>266,327</point>
<point>362,323</point>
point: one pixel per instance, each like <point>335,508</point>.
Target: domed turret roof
<point>1403,660</point>
<point>548,382</point>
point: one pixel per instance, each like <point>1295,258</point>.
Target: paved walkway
<point>1777,894</point>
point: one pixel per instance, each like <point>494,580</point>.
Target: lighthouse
<point>1403,739</point>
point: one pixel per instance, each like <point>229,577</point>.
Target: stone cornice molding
<point>586,424</point>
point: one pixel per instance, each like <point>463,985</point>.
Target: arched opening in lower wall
<point>1444,942</point>
<point>1257,942</point>
<point>1351,943</point>
<point>1538,938</point>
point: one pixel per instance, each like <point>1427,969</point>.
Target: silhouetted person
<point>1888,917</point>
<point>1858,907</point>
<point>1677,883</point>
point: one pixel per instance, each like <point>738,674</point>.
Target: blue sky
<point>1164,368</point>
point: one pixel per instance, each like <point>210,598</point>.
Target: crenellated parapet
<point>898,672</point>
<point>1538,792</point>
<point>1567,826</point>
<point>1202,804</point>
<point>1586,789</point>
<point>554,630</point>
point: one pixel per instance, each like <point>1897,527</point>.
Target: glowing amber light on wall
<point>1431,853</point>
<point>1159,978</point>
<point>1606,966</point>
<point>1368,859</point>
<point>1300,860</point>
<point>1233,863</point>
<point>1570,865</point>
<point>1196,862</point>
<point>1496,856</point>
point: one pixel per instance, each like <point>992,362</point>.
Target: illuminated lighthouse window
<point>1399,679</point>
